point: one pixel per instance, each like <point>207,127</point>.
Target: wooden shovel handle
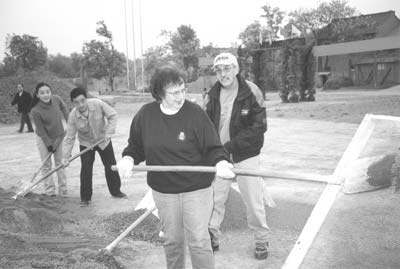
<point>58,141</point>
<point>237,171</point>
<point>114,243</point>
<point>30,187</point>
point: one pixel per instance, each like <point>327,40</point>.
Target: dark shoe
<point>53,195</point>
<point>19,131</point>
<point>84,203</point>
<point>30,131</point>
<point>214,242</point>
<point>120,195</point>
<point>261,252</point>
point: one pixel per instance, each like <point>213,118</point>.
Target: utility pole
<point>126,43</point>
<point>141,42</point>
<point>134,46</point>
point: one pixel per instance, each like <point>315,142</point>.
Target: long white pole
<point>114,243</point>
<point>141,43</point>
<point>126,44</point>
<point>134,45</point>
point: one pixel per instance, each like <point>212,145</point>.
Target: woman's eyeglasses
<point>177,92</point>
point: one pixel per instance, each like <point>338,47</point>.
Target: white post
<point>126,44</point>
<point>134,45</point>
<point>327,198</point>
<point>141,43</point>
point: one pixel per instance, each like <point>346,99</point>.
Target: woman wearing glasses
<point>174,131</point>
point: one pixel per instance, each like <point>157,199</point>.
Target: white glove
<point>125,166</point>
<point>224,170</point>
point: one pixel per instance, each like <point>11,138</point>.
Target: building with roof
<point>364,50</point>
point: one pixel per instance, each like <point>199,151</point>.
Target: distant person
<point>93,120</point>
<point>174,131</point>
<point>23,101</point>
<point>48,111</point>
<point>237,109</point>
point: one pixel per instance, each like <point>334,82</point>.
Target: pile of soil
<point>148,230</point>
<point>34,234</point>
<point>34,214</point>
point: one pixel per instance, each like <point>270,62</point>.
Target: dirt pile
<point>37,232</point>
<point>148,230</point>
<point>370,173</point>
<point>34,214</point>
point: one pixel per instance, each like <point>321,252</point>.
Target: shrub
<point>293,96</point>
<point>8,113</point>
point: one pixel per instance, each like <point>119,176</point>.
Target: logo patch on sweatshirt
<point>244,112</point>
<point>182,136</point>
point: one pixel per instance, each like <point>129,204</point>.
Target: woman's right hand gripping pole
<point>125,166</point>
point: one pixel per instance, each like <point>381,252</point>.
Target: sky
<point>64,25</point>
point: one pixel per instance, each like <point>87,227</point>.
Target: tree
<point>25,52</point>
<point>101,62</point>
<point>314,19</point>
<point>209,50</point>
<point>62,66</point>
<point>255,33</point>
<point>101,59</point>
<point>10,65</point>
<point>273,17</point>
<point>76,62</point>
<point>184,43</point>
<point>290,31</point>
<point>2,73</point>
<point>153,57</point>
<point>335,9</point>
<point>251,37</point>
<point>158,56</point>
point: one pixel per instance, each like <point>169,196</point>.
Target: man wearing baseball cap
<point>237,109</point>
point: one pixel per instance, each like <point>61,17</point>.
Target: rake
<point>31,186</point>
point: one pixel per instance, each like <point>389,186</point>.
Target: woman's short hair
<point>163,77</point>
<point>76,92</point>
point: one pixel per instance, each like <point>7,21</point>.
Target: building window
<point>381,67</point>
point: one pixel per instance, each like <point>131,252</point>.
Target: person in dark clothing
<point>23,101</point>
<point>237,109</point>
<point>175,131</point>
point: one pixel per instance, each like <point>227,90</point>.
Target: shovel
<point>237,171</point>
<point>207,169</point>
<point>113,244</point>
<point>30,187</point>
<point>58,141</point>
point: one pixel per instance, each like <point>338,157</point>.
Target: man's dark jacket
<point>248,120</point>
<point>23,102</point>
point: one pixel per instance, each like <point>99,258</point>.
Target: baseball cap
<point>225,58</point>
